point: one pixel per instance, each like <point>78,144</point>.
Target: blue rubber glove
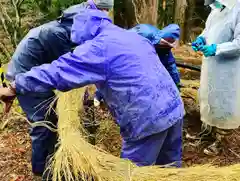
<point>198,43</point>
<point>218,5</point>
<point>209,50</point>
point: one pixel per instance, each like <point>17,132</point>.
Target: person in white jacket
<point>219,93</point>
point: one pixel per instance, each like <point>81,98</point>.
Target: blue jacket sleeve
<point>172,68</point>
<point>86,65</point>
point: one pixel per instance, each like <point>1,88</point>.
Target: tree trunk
<point>180,14</point>
<point>189,21</point>
<point>165,12</point>
<point>124,13</point>
<point>146,11</point>
<point>132,12</point>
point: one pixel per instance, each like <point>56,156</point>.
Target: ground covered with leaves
<point>15,146</point>
<point>15,152</point>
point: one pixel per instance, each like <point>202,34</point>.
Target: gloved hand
<point>198,43</point>
<point>209,50</point>
<point>7,96</point>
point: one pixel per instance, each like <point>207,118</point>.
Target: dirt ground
<point>15,148</point>
<point>15,152</point>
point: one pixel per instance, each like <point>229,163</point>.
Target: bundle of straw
<point>77,160</point>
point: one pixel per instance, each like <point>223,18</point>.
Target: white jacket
<point>220,77</point>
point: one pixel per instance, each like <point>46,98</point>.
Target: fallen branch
<point>233,152</point>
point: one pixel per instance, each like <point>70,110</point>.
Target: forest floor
<point>15,146</point>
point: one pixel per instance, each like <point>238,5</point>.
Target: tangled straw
<point>77,160</point>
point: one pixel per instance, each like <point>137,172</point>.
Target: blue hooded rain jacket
<point>154,35</point>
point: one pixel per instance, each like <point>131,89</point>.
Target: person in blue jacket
<point>163,41</point>
<point>125,68</point>
<point>40,46</point>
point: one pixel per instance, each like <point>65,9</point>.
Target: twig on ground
<point>233,152</point>
<point>4,124</point>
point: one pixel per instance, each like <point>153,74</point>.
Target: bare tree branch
<point>5,51</point>
<point>19,4</point>
<point>11,26</point>
<point>145,11</point>
<point>3,22</point>
<point>17,8</point>
<point>4,12</point>
<point>135,11</point>
<point>6,23</point>
<point>16,21</point>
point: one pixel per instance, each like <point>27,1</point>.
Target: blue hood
<point>154,34</point>
<point>66,19</point>
<point>70,12</point>
<point>88,25</point>
<point>171,31</point>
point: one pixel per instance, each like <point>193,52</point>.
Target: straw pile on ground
<point>76,159</point>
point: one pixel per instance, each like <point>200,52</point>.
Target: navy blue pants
<point>159,149</point>
<point>36,106</point>
<point>43,140</point>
